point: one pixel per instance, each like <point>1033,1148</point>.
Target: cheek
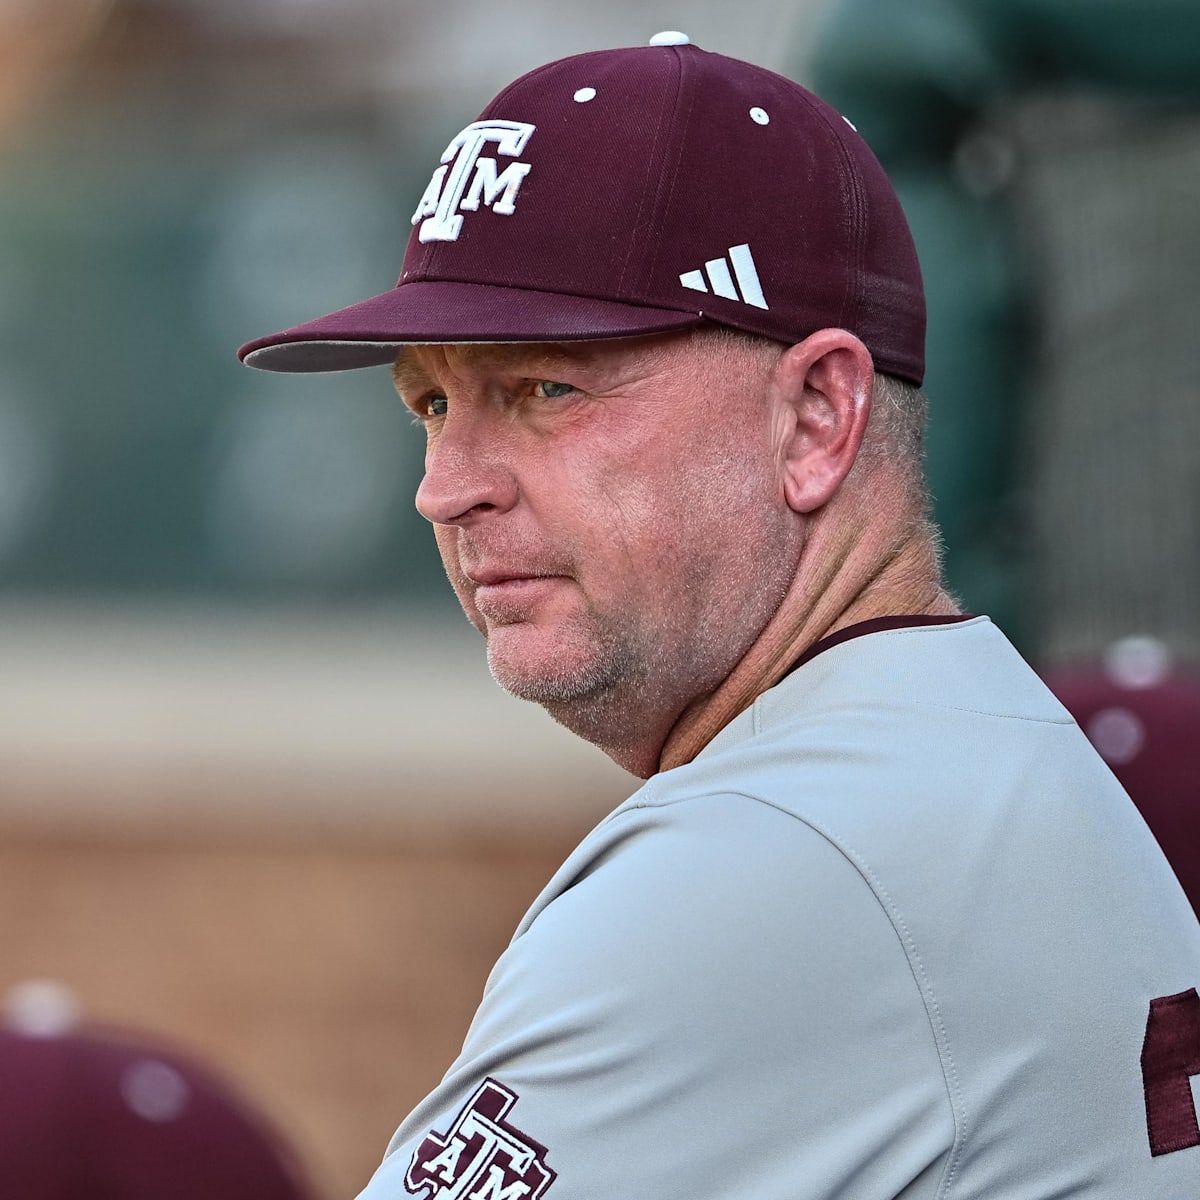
<point>634,515</point>
<point>728,518</point>
<point>653,535</point>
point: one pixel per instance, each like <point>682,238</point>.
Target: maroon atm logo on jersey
<point>481,1156</point>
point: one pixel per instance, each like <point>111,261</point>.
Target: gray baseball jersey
<point>896,932</point>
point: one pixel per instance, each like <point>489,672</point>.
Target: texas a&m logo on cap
<point>481,1156</point>
<point>468,177</point>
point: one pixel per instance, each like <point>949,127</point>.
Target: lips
<point>511,584</point>
<point>504,595</point>
<point>515,585</point>
<point>497,571</point>
<point>496,576</point>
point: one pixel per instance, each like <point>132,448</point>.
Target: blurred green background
<point>178,181</point>
<point>178,176</point>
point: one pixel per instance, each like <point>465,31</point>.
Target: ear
<point>822,390</point>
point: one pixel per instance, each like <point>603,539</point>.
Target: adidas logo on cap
<point>722,282</point>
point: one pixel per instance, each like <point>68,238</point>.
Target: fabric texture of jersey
<point>894,933</point>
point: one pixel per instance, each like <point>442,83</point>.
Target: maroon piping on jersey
<point>874,625</point>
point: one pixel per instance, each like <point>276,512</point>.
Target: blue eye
<point>437,406</point>
<point>549,390</point>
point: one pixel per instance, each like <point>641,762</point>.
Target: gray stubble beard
<point>607,703</point>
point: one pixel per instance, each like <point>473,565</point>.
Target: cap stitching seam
<point>665,122</point>
<point>852,291</point>
<point>669,177</point>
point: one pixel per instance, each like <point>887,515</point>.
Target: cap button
<point>670,37</point>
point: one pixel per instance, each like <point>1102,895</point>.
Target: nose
<point>467,473</point>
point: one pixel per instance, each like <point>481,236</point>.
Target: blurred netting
<point>1107,207</point>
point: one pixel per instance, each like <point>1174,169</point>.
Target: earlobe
<point>823,387</point>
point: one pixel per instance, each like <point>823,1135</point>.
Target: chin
<point>546,686</point>
<point>554,675</point>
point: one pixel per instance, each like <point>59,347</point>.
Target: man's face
<point>610,513</point>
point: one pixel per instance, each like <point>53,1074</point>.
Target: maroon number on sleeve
<point>1170,1055</point>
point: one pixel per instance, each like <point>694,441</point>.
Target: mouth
<point>506,595</point>
<point>482,577</point>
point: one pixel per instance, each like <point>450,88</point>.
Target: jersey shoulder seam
<point>895,917</point>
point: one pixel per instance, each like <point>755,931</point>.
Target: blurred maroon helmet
<point>1143,715</point>
<point>90,1113</point>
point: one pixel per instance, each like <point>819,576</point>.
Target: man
<point>880,923</point>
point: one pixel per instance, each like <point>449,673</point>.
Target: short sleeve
<point>714,1003</point>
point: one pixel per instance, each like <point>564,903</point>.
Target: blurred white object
<point>1138,661</point>
<point>41,1008</point>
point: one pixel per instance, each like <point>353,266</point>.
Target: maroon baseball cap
<point>636,191</point>
<point>95,1113</point>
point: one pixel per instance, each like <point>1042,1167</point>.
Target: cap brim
<point>370,333</point>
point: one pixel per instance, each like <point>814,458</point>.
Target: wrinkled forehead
<point>419,365</point>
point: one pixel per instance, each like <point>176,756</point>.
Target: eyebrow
<point>408,374</point>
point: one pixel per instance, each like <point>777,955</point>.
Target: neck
<point>844,577</point>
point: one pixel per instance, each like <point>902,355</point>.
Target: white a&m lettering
<point>467,177</point>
